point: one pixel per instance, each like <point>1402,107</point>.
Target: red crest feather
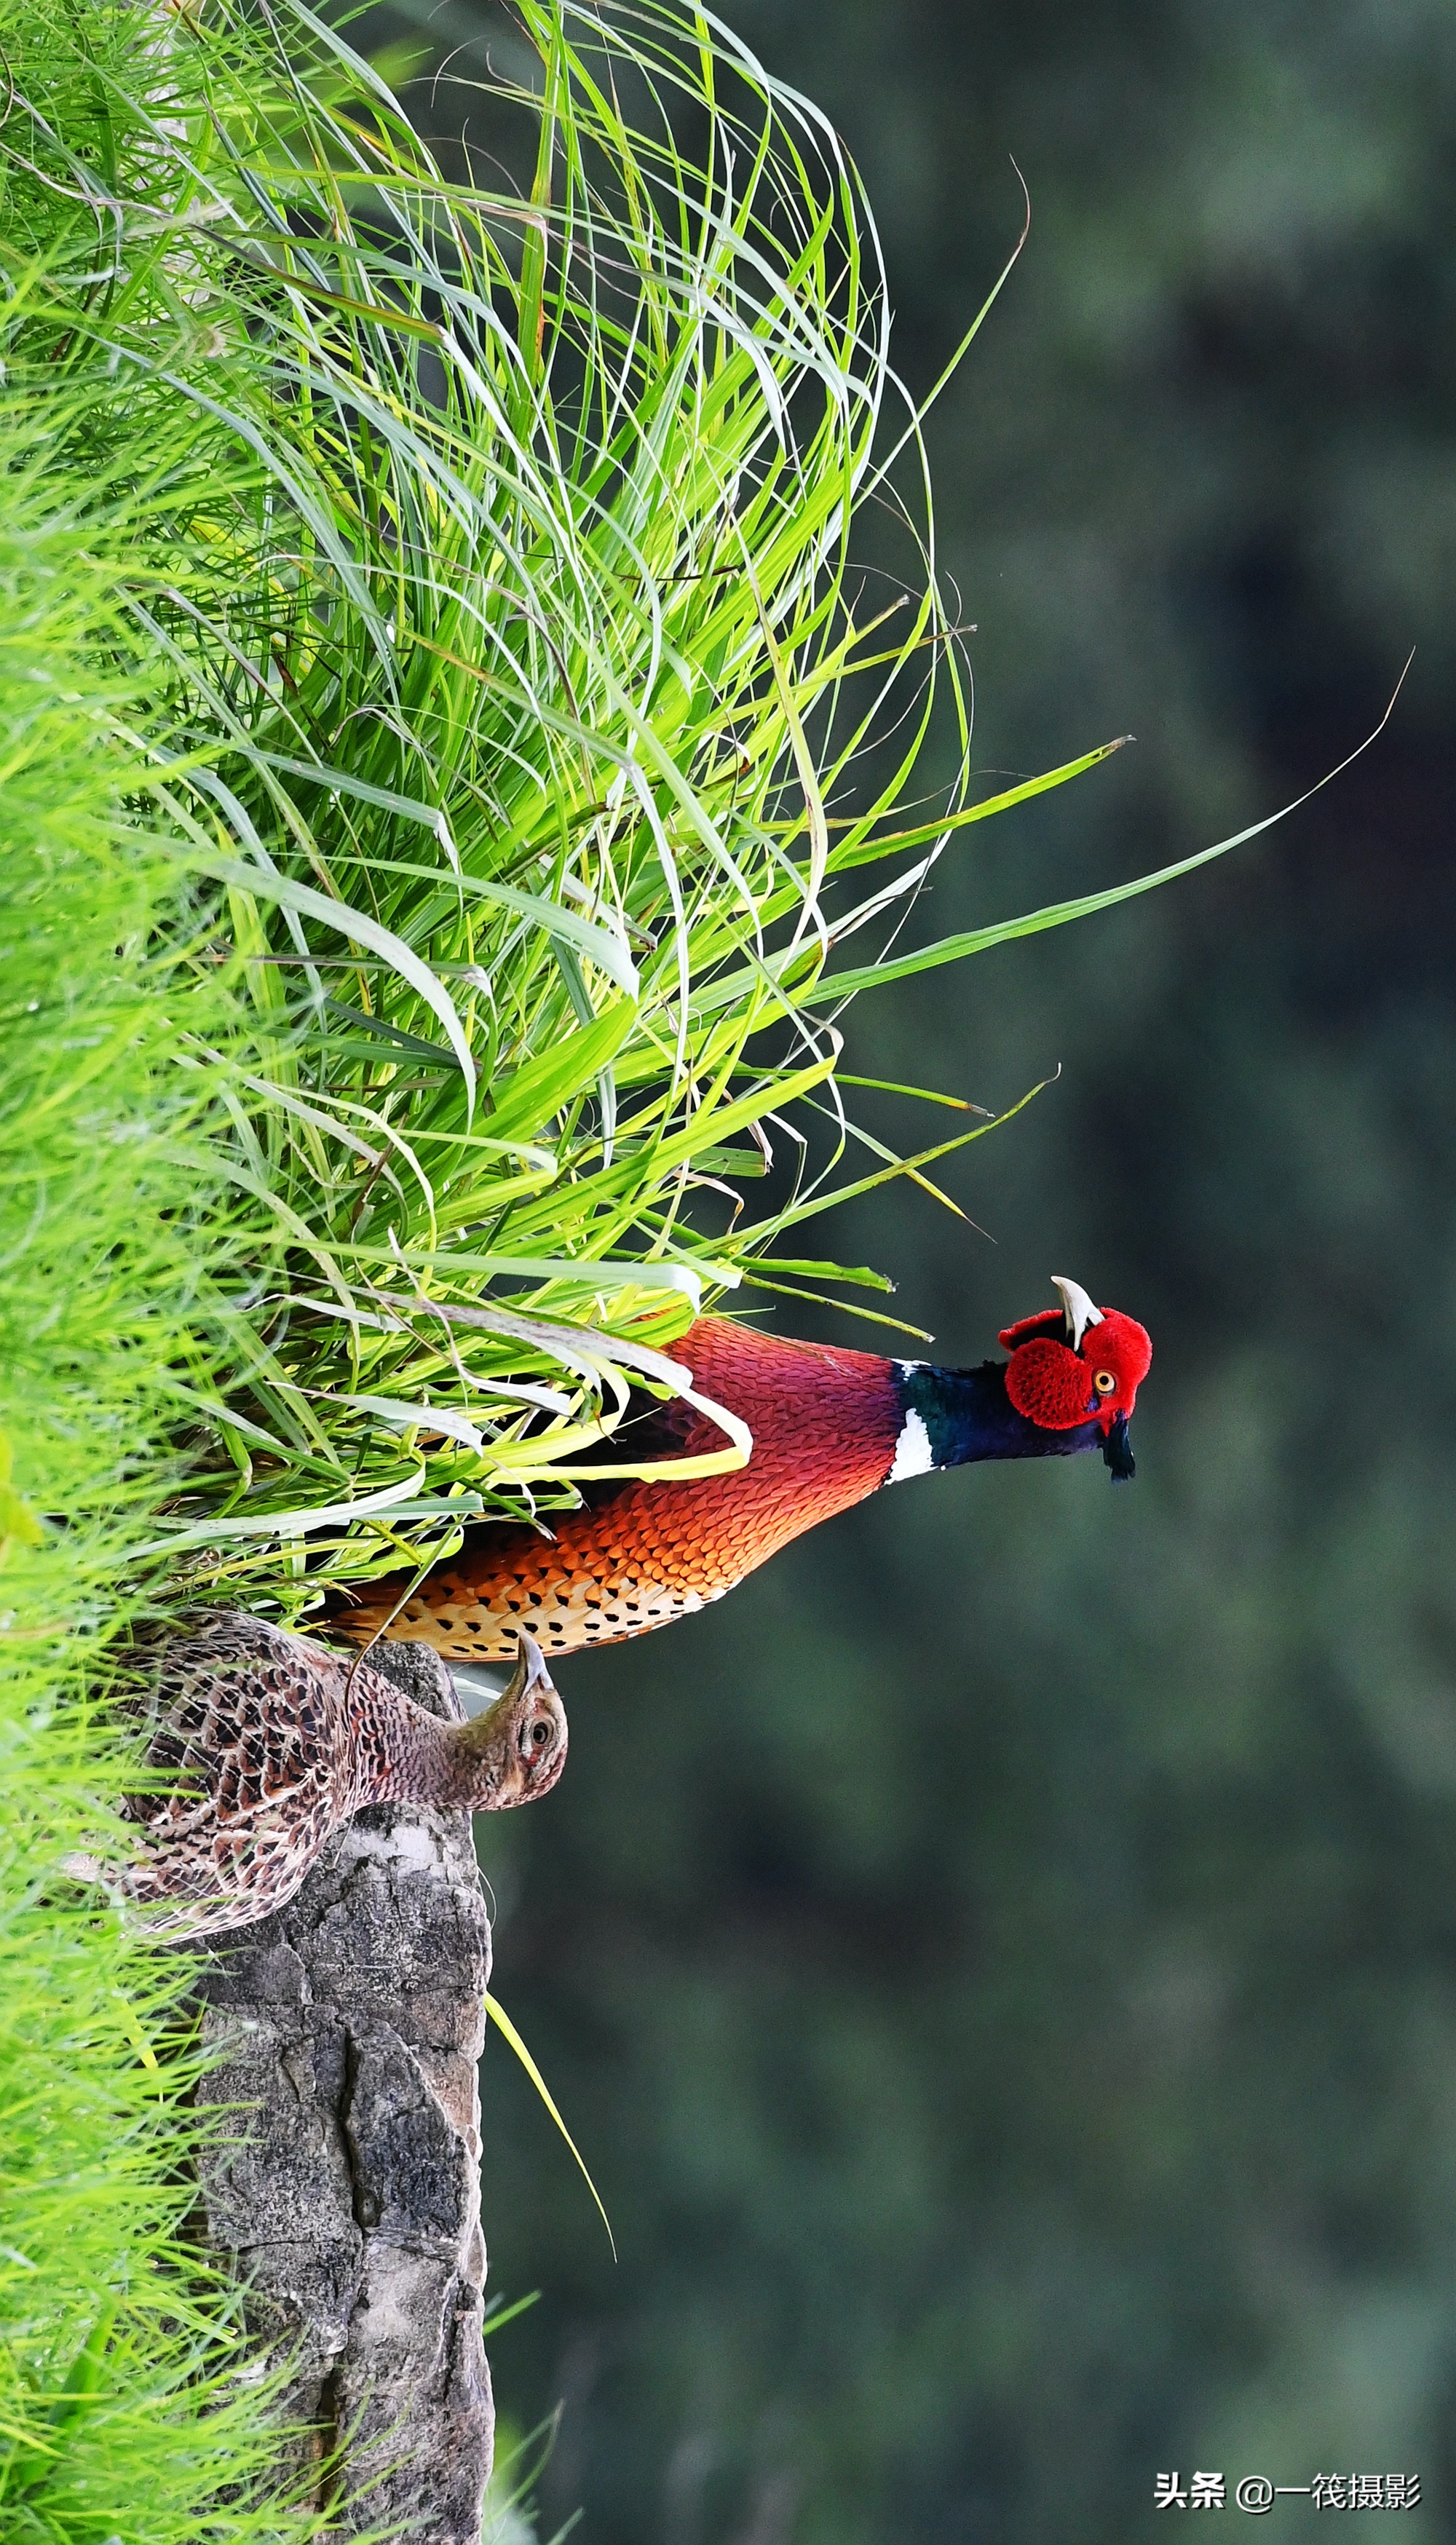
<point>1051,1322</point>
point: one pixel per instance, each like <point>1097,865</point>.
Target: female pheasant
<point>263,1745</point>
<point>829,1426</point>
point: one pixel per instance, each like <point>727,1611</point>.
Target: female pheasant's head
<point>514,1752</point>
<point>1078,1363</point>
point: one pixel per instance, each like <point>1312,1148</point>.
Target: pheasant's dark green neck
<point>950,1417</point>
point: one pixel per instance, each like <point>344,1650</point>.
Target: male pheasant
<point>829,1426</point>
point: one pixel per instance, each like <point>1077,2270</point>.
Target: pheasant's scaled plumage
<point>829,1426</point>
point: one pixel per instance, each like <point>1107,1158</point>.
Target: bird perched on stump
<point>264,1743</point>
<point>829,1426</point>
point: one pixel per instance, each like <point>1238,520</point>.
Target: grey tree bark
<point>346,2183</point>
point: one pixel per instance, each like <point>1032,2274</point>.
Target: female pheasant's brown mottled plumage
<point>270,1743</point>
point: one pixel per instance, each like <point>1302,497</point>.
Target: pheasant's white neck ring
<point>914,1456</point>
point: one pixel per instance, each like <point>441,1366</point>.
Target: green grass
<point>442,729</point>
<point>515,684</point>
<point>118,2409</point>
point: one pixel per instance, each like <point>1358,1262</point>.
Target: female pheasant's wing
<point>248,1771</point>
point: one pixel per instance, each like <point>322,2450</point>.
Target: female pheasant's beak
<point>530,1670</point>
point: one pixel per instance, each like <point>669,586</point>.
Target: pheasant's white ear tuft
<point>1080,1310</point>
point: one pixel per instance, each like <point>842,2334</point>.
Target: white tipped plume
<point>1080,1310</point>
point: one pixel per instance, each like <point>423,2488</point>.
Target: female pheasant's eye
<point>540,1732</point>
<point>1104,1381</point>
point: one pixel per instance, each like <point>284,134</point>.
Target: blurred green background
<point>1001,1967</point>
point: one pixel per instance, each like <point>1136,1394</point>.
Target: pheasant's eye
<point>1104,1381</point>
<point>540,1732</point>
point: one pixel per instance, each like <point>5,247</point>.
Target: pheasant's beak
<point>1122,1467</point>
<point>530,1670</point>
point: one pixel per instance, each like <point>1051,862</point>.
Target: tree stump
<point>346,2178</point>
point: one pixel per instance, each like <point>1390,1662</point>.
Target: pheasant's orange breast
<point>825,1427</point>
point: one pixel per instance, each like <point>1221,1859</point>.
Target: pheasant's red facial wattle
<point>1050,1385</point>
<point>1076,1364</point>
<point>1119,1353</point>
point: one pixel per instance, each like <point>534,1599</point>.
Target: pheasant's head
<point>517,1748</point>
<point>1078,1363</point>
